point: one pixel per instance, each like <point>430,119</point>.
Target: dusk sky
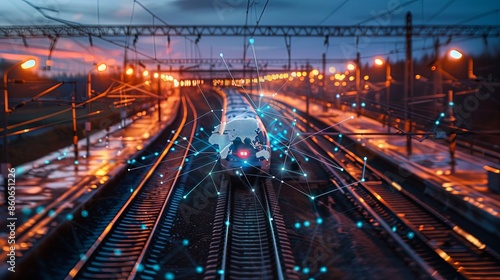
<point>76,55</point>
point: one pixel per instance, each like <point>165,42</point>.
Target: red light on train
<point>243,154</point>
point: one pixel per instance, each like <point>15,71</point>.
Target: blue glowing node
<point>307,223</point>
<point>220,272</point>
<point>323,269</point>
<point>297,225</point>
<point>143,227</point>
<point>131,190</point>
<point>394,228</point>
<point>156,267</point>
<point>169,276</point>
<point>296,268</point>
<point>359,224</point>
<point>340,135</point>
<point>52,213</point>
<point>338,95</point>
<point>185,242</point>
<point>307,159</point>
<point>251,41</point>
<point>69,217</point>
<point>26,211</point>
<point>437,122</point>
<point>84,213</point>
<point>201,129</point>
<point>451,103</point>
<point>365,158</point>
<point>305,270</point>
<point>143,157</point>
<point>199,269</point>
<point>353,104</point>
<point>410,235</point>
<point>156,153</point>
<point>319,221</point>
<point>140,267</point>
<point>39,209</point>
<point>442,115</point>
<point>47,161</point>
<point>363,104</point>
<point>117,252</point>
<point>221,55</point>
<point>294,110</point>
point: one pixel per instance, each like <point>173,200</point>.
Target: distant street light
<point>388,80</point>
<point>26,64</point>
<point>455,54</point>
<point>99,67</point>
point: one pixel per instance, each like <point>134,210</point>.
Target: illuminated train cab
<point>241,138</point>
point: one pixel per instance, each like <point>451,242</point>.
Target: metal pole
<point>159,92</point>
<point>453,133</point>
<point>87,122</point>
<point>408,80</point>
<point>388,79</point>
<point>5,159</point>
<point>75,129</point>
<point>358,85</point>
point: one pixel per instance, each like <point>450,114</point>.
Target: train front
<point>243,146</point>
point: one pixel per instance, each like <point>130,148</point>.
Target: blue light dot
<point>451,103</point>
<point>220,272</point>
<point>410,235</point>
<point>353,104</point>
<point>319,221</point>
<point>201,129</point>
<point>131,190</point>
<point>140,267</point>
<point>47,161</point>
<point>359,224</point>
<point>394,228</point>
<point>69,217</point>
<point>307,223</point>
<point>363,104</point>
<point>76,162</point>
<point>297,225</point>
<point>143,157</point>
<point>296,268</point>
<point>338,95</point>
<point>442,115</point>
<point>52,213</point>
<point>294,110</point>
<point>169,276</point>
<point>172,149</point>
<point>312,197</point>
<point>156,267</point>
<point>307,159</point>
<point>199,269</point>
<point>305,270</point>
<point>365,158</point>
<point>84,213</point>
<point>323,269</point>
<point>39,209</point>
<point>156,154</point>
<point>187,159</point>
<point>26,211</point>
<point>251,41</point>
<point>117,252</point>
<point>185,242</point>
<point>221,55</point>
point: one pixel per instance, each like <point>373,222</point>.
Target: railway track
<point>119,250</point>
<point>249,239</point>
<point>437,245</point>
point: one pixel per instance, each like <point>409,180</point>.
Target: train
<point>241,138</point>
